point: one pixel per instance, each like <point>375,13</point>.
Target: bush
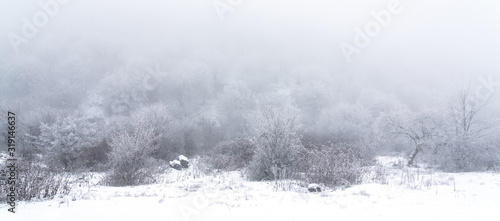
<point>231,155</point>
<point>338,164</point>
<point>130,158</point>
<point>95,157</point>
<point>278,144</point>
<point>466,156</point>
<point>35,181</point>
<point>137,172</point>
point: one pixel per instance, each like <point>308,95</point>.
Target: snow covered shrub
<point>467,156</point>
<point>230,155</point>
<point>173,135</point>
<point>95,157</point>
<point>338,164</point>
<point>131,160</point>
<point>36,181</point>
<point>278,144</point>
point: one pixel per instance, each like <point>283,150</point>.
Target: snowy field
<point>406,194</point>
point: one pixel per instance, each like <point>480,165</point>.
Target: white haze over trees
<point>124,87</point>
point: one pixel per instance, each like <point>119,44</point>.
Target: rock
<point>314,188</point>
<point>181,163</point>
<point>184,161</point>
<point>176,164</point>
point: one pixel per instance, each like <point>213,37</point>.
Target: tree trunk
<point>417,149</point>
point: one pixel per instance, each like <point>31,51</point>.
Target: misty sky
<point>430,47</point>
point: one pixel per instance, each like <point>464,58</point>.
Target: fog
<point>430,44</point>
<point>191,53</point>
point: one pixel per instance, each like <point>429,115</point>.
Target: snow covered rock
<point>176,164</point>
<point>184,161</point>
<point>181,163</point>
<point>314,188</point>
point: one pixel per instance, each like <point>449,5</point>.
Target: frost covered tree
<point>233,103</point>
<point>64,141</point>
<point>31,130</point>
<point>343,123</point>
<point>120,92</point>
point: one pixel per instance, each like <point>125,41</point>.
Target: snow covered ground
<point>406,194</point>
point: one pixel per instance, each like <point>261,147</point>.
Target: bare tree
<point>468,138</point>
<point>423,129</point>
<point>464,112</point>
